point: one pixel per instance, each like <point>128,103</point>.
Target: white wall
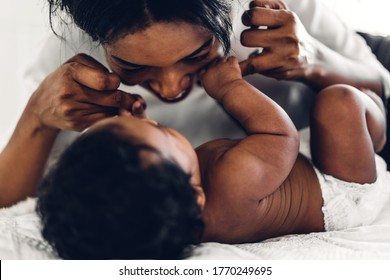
<point>23,24</point>
<point>364,15</point>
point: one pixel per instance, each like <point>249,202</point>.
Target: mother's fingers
<point>81,116</point>
<point>139,99</point>
<point>110,99</point>
<point>88,61</point>
<point>93,70</point>
<point>91,77</point>
<point>82,98</point>
<point>258,38</point>
<point>269,4</point>
<point>260,63</point>
<point>131,102</point>
<point>138,110</point>
<point>78,116</point>
<point>259,16</point>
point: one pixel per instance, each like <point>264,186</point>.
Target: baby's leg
<point>347,128</point>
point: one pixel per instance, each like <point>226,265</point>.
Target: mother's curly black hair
<point>102,202</point>
<point>107,20</point>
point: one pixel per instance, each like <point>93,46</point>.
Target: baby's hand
<point>220,76</point>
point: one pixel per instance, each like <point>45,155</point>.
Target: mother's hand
<point>287,47</point>
<point>77,94</point>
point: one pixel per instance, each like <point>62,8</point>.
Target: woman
<point>308,45</point>
<point>160,47</point>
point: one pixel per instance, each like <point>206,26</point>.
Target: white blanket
<point>366,242</point>
<point>20,238</point>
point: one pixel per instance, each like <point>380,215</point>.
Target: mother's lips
<point>182,95</point>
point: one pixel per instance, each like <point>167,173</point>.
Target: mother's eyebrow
<point>127,63</point>
<point>202,47</point>
<point>130,64</point>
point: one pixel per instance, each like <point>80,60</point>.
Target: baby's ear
<point>200,196</point>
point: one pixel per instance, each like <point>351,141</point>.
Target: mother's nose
<point>170,83</point>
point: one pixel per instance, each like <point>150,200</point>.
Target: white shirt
<point>199,117</point>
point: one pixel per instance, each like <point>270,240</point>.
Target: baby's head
<point>126,189</point>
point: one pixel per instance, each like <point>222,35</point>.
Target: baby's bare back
<point>295,207</point>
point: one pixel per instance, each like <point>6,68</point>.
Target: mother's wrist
<point>316,76</point>
<point>32,123</point>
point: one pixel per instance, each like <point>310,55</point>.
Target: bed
<point>20,238</point>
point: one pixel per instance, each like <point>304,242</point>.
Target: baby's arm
<point>259,163</point>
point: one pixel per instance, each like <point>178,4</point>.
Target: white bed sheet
<point>366,242</point>
<point>20,238</point>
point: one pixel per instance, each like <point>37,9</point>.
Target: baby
<point>130,188</point>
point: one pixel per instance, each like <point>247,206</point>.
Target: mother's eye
<point>132,71</point>
<point>196,59</point>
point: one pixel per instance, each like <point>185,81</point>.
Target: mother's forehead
<point>161,38</point>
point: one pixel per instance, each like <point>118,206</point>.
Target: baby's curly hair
<point>101,201</point>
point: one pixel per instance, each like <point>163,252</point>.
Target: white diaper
<point>348,205</point>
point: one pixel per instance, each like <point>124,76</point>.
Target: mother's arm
<point>23,159</point>
<point>76,95</point>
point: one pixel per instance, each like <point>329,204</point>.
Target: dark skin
<point>82,92</point>
<point>73,97</point>
<point>249,189</point>
<point>79,93</point>
<point>260,187</point>
<point>291,53</point>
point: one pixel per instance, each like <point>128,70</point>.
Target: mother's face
<point>164,58</point>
